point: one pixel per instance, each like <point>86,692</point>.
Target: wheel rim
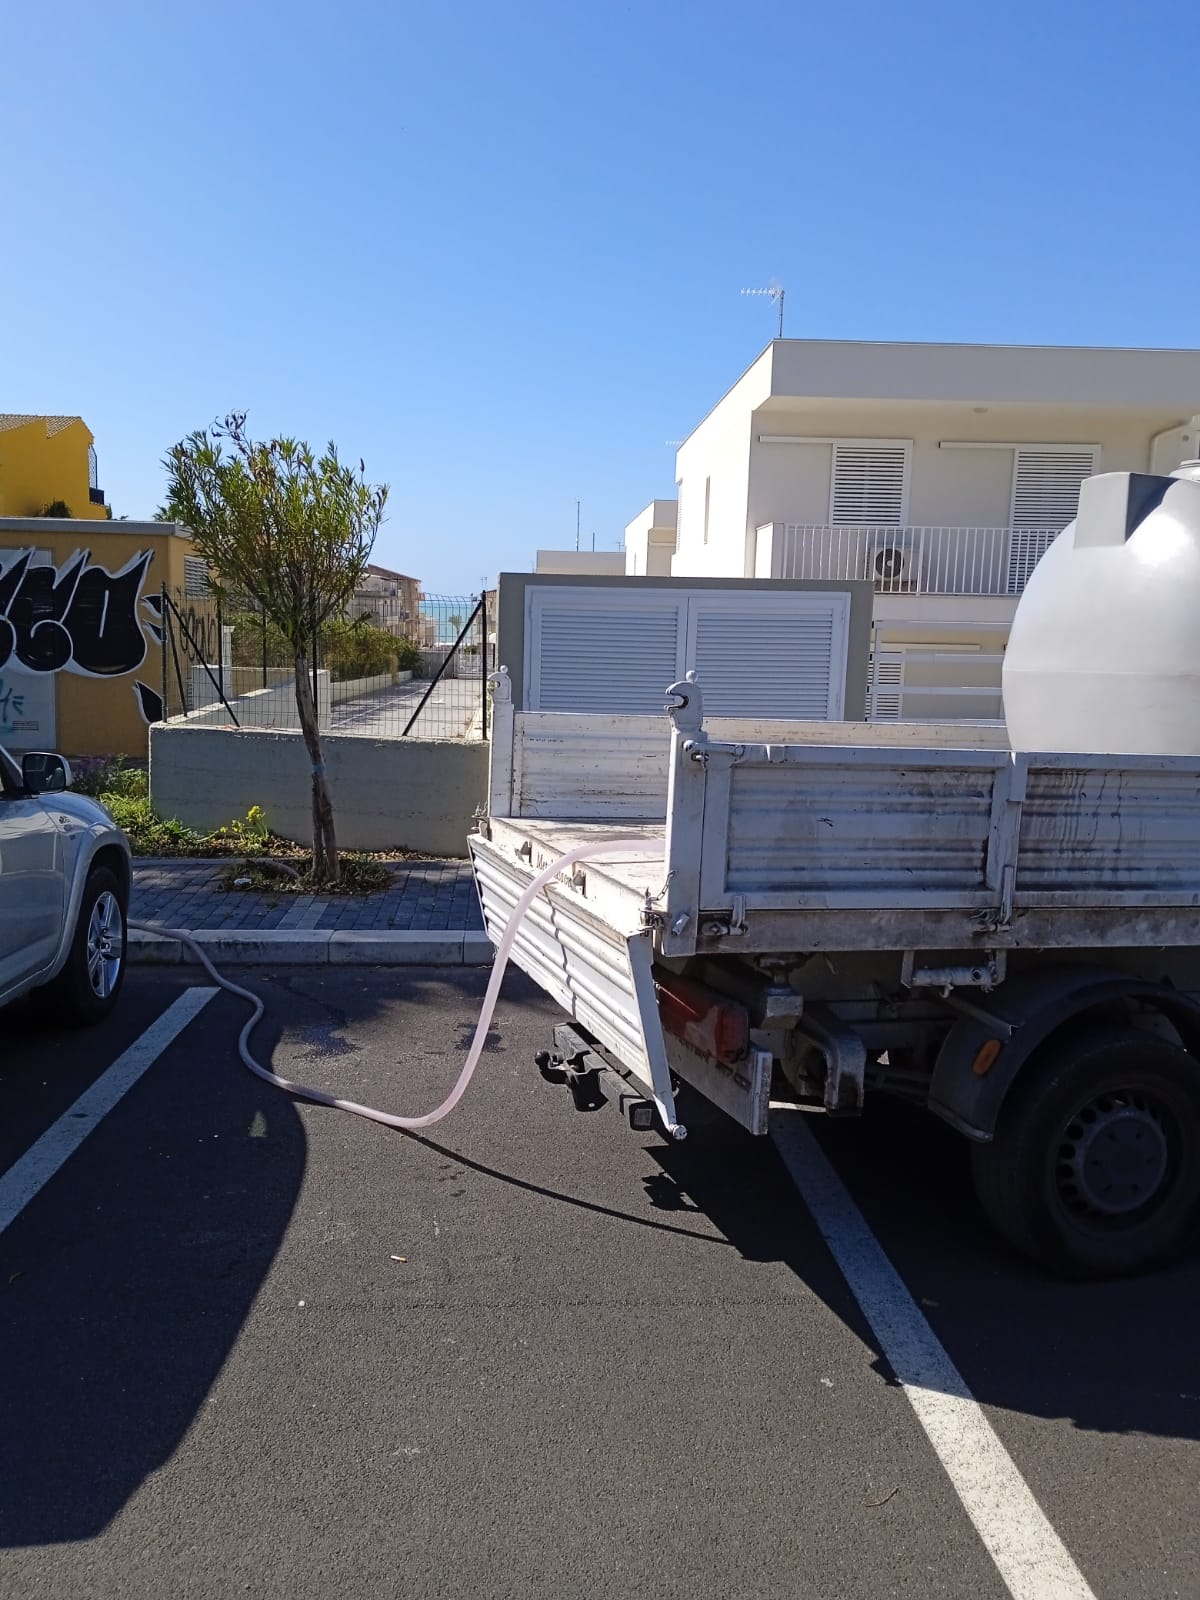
<point>105,945</point>
<point>1115,1157</point>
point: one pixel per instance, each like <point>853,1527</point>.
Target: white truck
<point>815,911</point>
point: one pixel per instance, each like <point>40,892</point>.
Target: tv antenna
<point>776,293</point>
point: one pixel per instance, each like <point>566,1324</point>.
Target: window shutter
<point>603,650</point>
<point>1046,486</point>
<point>770,655</point>
<point>1045,498</point>
<point>869,483</point>
<point>885,699</point>
<point>195,578</point>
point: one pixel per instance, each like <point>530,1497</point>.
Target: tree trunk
<point>326,868</point>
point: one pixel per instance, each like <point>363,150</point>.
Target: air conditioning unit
<point>895,563</point>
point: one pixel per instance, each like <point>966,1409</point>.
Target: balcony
<point>905,561</point>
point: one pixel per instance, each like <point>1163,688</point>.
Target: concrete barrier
<point>351,688</point>
<point>418,794</point>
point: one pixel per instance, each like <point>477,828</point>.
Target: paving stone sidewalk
<point>424,895</point>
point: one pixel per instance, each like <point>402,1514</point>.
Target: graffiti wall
<point>75,617</point>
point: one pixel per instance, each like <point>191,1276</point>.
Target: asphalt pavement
<point>254,1346</point>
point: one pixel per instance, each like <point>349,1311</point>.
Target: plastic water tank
<point>1104,653</point>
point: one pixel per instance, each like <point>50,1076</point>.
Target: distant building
<point>570,563</point>
<point>390,600</point>
<point>650,540</point>
<point>48,462</point>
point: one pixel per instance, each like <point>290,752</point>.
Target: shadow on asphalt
<point>1115,1357</point>
<point>123,1291</point>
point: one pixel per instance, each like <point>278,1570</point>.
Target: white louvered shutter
<point>603,650</point>
<point>1045,498</point>
<point>770,655</point>
<point>869,484</point>
<point>195,578</point>
<point>886,696</point>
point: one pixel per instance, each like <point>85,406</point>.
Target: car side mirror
<point>44,773</point>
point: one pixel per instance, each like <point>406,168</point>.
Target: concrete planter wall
<point>417,794</point>
<point>350,688</point>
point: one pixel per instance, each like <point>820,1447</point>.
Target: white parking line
<point>43,1159</point>
<point>1030,1557</point>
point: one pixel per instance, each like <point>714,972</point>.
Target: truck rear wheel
<point>1095,1166</point>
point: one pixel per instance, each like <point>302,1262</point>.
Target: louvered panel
<point>770,655</point>
<point>1118,828</point>
<point>886,693</point>
<point>1046,486</point>
<point>588,766</point>
<point>603,650</point>
<point>869,482</point>
<point>195,578</point>
<point>819,830</point>
<point>1026,547</point>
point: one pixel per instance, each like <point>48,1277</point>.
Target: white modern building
<point>650,540</point>
<point>938,472</point>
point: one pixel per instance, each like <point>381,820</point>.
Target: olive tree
<point>290,531</point>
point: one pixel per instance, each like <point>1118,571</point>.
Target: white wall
<point>714,464</point>
<point>1167,380</point>
<point>609,563</point>
<point>650,540</point>
<point>947,488</point>
<point>411,794</point>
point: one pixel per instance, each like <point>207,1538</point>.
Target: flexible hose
<point>583,852</point>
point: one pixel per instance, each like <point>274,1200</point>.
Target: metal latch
<point>985,975</point>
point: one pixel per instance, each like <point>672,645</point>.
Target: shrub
<point>356,649</point>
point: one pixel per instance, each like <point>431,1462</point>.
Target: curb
<point>304,947</point>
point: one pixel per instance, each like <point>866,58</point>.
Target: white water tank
<point>1104,653</point>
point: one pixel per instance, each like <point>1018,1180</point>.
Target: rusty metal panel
<point>1112,830</point>
<point>830,827</point>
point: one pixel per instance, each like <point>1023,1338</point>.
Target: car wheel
<point>87,987</point>
<point>1095,1166</point>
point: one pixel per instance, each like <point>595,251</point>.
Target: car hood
<point>80,806</point>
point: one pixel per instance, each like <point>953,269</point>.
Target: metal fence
<point>908,560</point>
<point>227,667</point>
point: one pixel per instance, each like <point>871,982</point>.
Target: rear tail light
<point>703,1018</point>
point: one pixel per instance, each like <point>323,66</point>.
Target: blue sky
<point>496,249</point>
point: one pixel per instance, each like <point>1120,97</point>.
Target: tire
<point>86,989</point>
<point>1095,1167</point>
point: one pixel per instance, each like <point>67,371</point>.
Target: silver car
<point>64,891</point>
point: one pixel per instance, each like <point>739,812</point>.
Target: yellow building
<point>81,658</point>
<point>48,461</point>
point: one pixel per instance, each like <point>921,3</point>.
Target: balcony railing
<point>976,561</point>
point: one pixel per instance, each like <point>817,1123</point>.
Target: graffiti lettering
<point>10,702</point>
<point>77,617</point>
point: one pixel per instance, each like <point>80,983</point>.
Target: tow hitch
<point>592,1080</point>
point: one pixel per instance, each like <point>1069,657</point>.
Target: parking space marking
<point>43,1159</point>
<point>1030,1557</point>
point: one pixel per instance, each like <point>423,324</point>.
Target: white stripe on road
<point>43,1159</point>
<point>1029,1555</point>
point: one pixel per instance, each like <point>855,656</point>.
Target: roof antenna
<point>776,292</point>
